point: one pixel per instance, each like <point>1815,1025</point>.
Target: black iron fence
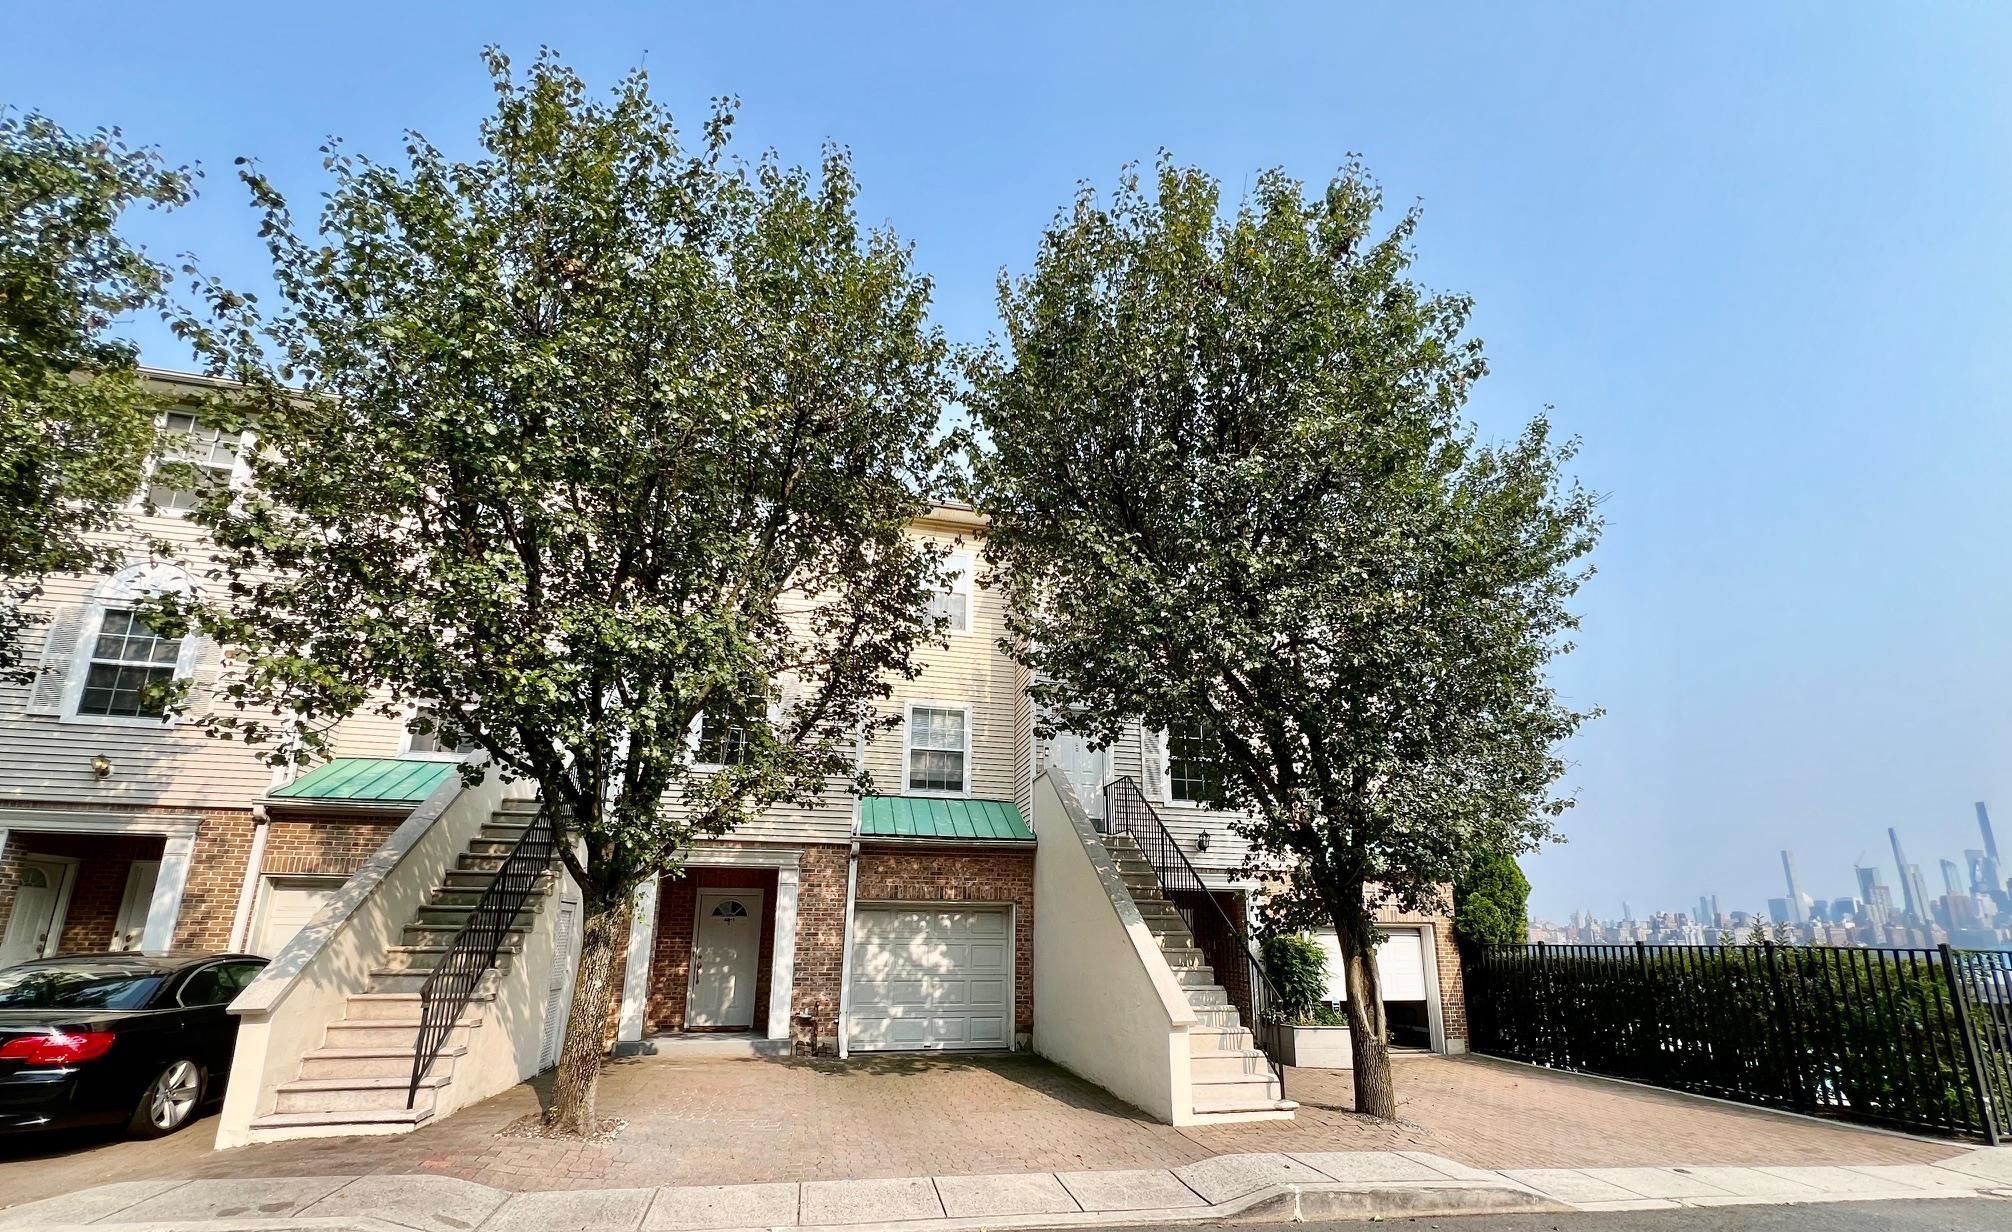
<point>447,991</point>
<point>1912,1039</point>
<point>1224,944</point>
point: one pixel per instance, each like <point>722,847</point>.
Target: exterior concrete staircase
<point>1231,1078</point>
<point>358,1080</point>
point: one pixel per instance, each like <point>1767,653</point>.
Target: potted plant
<point>1312,1033</point>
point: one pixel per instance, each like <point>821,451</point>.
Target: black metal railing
<point>447,991</point>
<point>1914,1039</point>
<point>1224,943</point>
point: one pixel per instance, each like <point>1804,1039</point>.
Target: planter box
<point>1316,1047</point>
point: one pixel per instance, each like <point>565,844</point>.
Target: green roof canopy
<point>988,821</point>
<point>369,780</point>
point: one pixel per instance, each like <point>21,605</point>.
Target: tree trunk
<point>604,943</point>
<point>1368,1030</point>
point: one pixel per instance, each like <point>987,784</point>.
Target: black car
<point>97,1039</point>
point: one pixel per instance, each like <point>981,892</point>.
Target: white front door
<point>726,941</point>
<point>133,907</point>
<point>1083,766</point>
<point>31,929</point>
<point>928,977</point>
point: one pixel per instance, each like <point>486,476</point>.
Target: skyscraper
<point>1704,910</point>
<point>1984,825</point>
<point>1952,879</point>
<point>1915,907</point>
<point>1797,912</point>
<point>1918,890</point>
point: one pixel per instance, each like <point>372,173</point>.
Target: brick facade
<point>209,897</point>
<point>948,874</point>
<point>336,848</point>
<point>820,942</point>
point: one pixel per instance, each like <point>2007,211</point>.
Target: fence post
<point>1971,1055</point>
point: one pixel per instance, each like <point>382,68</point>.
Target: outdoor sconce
<point>101,766</point>
<point>1202,841</point>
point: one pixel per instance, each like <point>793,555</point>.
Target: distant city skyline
<point>1968,903</point>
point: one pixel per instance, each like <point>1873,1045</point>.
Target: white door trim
<point>131,921</point>
<point>699,895</point>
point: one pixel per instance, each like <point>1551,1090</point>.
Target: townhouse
<point>904,920</point>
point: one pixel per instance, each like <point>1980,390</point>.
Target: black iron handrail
<point>1227,946</point>
<point>471,953</point>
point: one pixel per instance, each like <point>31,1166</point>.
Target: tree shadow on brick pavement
<point>1023,1069</point>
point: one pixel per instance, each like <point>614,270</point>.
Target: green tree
<point>1491,903</point>
<point>1229,486</point>
<point>580,443</point>
<point>76,420</point>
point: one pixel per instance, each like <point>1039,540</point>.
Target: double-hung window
<point>431,744</point>
<point>939,748</point>
<point>129,669</point>
<point>952,601</point>
<point>1194,764</point>
<point>201,453</point>
<point>723,731</point>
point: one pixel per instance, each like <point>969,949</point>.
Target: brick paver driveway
<point>730,1121</point>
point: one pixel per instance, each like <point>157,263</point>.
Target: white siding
<point>1184,821</point>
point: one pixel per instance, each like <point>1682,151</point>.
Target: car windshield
<point>77,988</point>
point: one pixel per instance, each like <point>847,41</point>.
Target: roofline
<point>333,809</point>
<point>912,840</point>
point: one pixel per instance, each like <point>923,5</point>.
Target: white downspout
<point>254,868</point>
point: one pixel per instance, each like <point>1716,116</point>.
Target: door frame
<point>1008,908</point>
<point>1104,776</point>
<point>125,922</point>
<point>66,885</point>
<point>699,893</point>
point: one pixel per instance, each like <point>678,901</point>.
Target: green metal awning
<point>368,780</point>
<point>929,817</point>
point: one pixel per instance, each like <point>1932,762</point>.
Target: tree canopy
<point>1491,903</point>
<point>1231,486</point>
<point>584,445</point>
<point>76,420</point>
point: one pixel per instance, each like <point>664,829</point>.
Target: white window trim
<point>240,478</point>
<point>695,736</point>
<point>908,748</point>
<point>1167,780</point>
<point>964,567</point>
<point>405,734</point>
<point>122,592</point>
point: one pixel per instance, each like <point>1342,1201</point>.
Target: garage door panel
<point>289,903</point>
<point>930,979</point>
<point>1400,965</point>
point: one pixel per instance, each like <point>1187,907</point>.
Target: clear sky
<point>1757,256</point>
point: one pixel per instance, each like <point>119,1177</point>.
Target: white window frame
<point>405,734</point>
<point>1167,778</point>
<point>122,592</point>
<point>961,567</point>
<point>695,736</point>
<point>908,749</point>
<point>240,468</point>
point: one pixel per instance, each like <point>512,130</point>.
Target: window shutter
<point>1153,763</point>
<point>52,671</point>
<point>204,676</point>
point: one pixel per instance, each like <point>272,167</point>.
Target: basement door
<point>930,978</point>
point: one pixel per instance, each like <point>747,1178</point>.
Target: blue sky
<point>1757,257</point>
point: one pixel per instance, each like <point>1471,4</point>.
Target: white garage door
<point>290,902</point>
<point>1400,965</point>
<point>925,977</point>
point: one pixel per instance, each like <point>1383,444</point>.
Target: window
<point>129,669</point>
<point>429,744</point>
<point>939,745</point>
<point>953,602</point>
<point>218,984</point>
<point>723,732</point>
<point>210,451</point>
<point>1194,769</point>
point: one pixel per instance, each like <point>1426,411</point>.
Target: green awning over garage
<point>368,780</point>
<point>931,817</point>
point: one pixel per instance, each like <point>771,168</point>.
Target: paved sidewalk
<point>1249,1187</point>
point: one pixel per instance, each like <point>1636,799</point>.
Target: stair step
<point>458,878</point>
<point>1208,996</point>
<point>1206,1040</point>
<point>461,894</point>
<point>426,957</point>
<point>350,1033</point>
<point>371,1063</point>
<point>356,1094</point>
<point>413,979</point>
<point>443,935</point>
<point>398,1006</point>
<point>1216,1016</point>
<point>1203,976</point>
<point>1207,1106</point>
<point>1226,1065</point>
<point>310,1120</point>
<point>1179,956</point>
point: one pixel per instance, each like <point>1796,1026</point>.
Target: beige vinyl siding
<point>367,733</point>
<point>43,757</point>
<point>1185,822</point>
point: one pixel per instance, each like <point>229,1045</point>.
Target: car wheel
<point>171,1099</point>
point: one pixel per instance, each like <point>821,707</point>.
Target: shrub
<point>1297,968</point>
